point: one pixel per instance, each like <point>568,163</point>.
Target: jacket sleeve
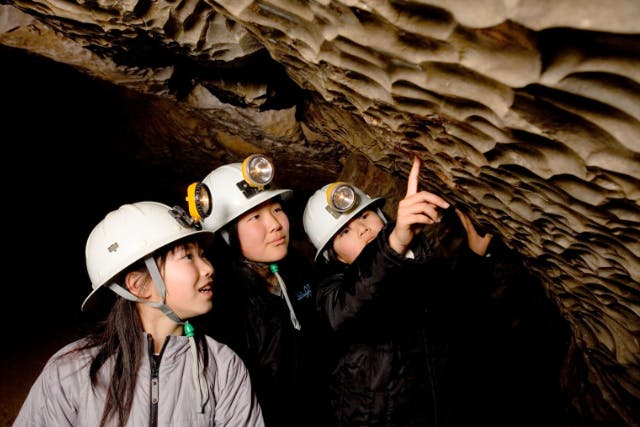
<point>47,403</point>
<point>480,274</point>
<point>354,293</point>
<point>236,402</point>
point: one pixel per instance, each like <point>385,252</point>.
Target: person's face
<point>355,235</point>
<point>263,233</point>
<point>188,276</point>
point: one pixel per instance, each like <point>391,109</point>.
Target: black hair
<point>119,337</point>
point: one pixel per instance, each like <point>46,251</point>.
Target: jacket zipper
<point>155,385</point>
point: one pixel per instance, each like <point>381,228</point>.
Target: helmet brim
<point>98,300</point>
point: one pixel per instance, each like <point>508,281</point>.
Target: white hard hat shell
<point>321,224</point>
<point>229,202</point>
<point>127,235</point>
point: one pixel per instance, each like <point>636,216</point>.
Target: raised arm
<point>417,209</point>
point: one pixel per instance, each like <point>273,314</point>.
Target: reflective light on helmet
<point>257,170</point>
<point>199,201</point>
<point>341,197</point>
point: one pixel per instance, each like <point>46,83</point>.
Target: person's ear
<point>136,283</point>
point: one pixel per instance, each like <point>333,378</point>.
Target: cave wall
<point>524,113</point>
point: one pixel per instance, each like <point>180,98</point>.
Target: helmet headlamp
<point>199,201</point>
<point>341,197</point>
<point>257,170</point>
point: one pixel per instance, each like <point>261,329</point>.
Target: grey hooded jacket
<point>63,395</point>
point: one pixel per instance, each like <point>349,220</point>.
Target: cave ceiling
<point>527,113</point>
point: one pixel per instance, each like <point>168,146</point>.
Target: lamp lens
<point>203,200</point>
<point>343,198</point>
<point>259,170</point>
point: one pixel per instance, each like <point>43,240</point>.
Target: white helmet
<point>233,196</point>
<point>127,235</point>
<point>330,208</point>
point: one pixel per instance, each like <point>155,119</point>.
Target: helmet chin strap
<point>225,235</point>
<point>381,215</point>
<point>157,279</point>
<point>273,267</point>
<point>199,381</point>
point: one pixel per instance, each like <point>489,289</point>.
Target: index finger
<point>412,181</point>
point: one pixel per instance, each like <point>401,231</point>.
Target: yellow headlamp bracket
<point>199,201</point>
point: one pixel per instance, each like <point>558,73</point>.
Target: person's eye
<point>188,255</point>
<point>365,215</point>
<point>179,253</point>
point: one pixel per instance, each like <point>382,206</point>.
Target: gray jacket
<point>63,396</point>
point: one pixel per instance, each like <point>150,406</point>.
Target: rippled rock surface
<point>525,112</point>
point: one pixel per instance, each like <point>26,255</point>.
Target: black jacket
<point>388,348</point>
<point>456,341</point>
<point>284,363</point>
<point>506,342</point>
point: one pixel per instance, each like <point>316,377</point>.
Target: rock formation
<point>527,113</point>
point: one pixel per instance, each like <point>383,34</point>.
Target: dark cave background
<point>68,162</point>
<point>71,158</point>
<point>72,165</point>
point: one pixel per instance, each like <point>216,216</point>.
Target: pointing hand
<point>418,208</point>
